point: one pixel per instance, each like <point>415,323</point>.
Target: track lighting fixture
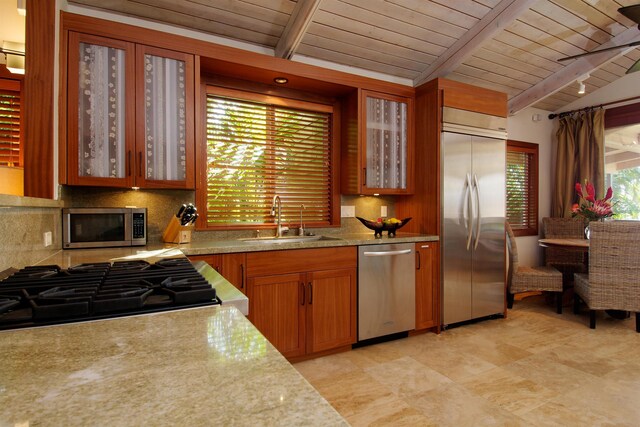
<point>582,87</point>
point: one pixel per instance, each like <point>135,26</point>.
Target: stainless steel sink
<point>288,239</point>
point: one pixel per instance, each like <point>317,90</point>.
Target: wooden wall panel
<point>38,99</point>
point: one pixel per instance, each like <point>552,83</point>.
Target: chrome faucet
<point>280,230</point>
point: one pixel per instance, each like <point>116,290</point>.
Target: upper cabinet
<point>378,143</point>
<point>130,114</point>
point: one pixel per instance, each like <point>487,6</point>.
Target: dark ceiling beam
<point>493,22</point>
<point>296,28</point>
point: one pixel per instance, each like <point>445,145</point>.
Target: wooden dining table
<point>566,243</point>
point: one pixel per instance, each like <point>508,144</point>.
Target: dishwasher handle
<point>388,253</point>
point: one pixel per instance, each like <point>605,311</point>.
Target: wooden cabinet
<point>130,114</point>
<point>300,303</point>
<point>378,144</point>
<point>230,266</point>
<point>428,285</point>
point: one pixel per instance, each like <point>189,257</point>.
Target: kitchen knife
<point>181,211</point>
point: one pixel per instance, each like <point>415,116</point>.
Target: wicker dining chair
<point>524,279</point>
<point>567,260</point>
<point>613,282</point>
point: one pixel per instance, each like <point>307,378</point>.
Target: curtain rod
<point>566,113</point>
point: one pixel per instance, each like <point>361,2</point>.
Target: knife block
<point>176,232</point>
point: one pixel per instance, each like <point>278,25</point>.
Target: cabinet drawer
<point>293,261</point>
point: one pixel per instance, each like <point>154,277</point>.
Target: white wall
<point>522,127</point>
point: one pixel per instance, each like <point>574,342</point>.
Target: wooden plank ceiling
<point>508,45</point>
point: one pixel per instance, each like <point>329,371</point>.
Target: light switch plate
<point>383,211</point>
<point>347,211</point>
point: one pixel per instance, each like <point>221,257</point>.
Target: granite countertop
<point>331,240</point>
<point>201,366</point>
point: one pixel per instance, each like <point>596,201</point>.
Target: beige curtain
<point>580,156</point>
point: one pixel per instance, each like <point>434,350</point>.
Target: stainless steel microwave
<point>103,227</point>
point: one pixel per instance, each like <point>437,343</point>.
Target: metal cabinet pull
<point>310,293</point>
<point>303,288</point>
<point>140,163</point>
<point>417,260</point>
<point>388,253</point>
<point>129,163</point>
<point>478,216</point>
<point>364,177</point>
<point>241,276</point>
<point>469,210</point>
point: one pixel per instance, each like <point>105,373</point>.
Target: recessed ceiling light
<point>281,80</point>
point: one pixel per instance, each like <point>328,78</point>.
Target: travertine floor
<point>535,368</point>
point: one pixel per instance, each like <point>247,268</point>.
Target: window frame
<point>15,86</point>
<point>533,150</point>
<point>332,107</point>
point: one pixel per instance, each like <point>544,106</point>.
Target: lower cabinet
<point>231,266</point>
<point>306,311</point>
<point>428,285</point>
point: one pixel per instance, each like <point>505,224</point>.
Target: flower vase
<point>587,233</point>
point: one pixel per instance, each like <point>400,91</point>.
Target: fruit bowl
<point>379,227</point>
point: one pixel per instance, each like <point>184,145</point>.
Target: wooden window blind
<point>522,187</point>
<point>256,150</point>
<point>10,123</point>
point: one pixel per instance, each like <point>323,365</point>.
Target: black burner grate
<point>48,294</point>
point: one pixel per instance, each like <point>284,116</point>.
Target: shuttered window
<point>522,187</point>
<point>10,123</point>
<point>256,150</point>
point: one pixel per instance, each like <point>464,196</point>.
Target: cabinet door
<point>101,110</point>
<point>386,149</point>
<point>232,268</point>
<point>427,285</point>
<point>331,309</point>
<point>165,129</point>
<point>277,308</point>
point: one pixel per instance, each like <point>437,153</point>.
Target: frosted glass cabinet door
<point>386,143</point>
<point>167,87</point>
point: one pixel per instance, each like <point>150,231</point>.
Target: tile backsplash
<point>22,231</point>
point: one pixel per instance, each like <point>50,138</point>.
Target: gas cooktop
<point>47,294</point>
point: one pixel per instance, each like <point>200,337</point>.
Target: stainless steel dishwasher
<point>386,289</point>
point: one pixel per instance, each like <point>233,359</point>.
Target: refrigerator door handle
<point>468,210</point>
<point>478,215</point>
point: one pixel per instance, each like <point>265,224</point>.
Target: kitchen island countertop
<point>201,366</point>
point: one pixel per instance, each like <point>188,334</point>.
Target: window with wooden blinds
<point>256,150</point>
<point>522,187</point>
<point>10,123</point>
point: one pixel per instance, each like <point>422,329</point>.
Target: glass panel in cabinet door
<point>101,112</point>
<point>386,143</point>
<point>165,118</point>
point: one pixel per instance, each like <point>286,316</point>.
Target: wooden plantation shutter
<point>10,123</point>
<point>522,187</point>
<point>256,150</point>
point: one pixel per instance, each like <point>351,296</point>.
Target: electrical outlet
<point>383,211</point>
<point>347,211</point>
<point>48,240</point>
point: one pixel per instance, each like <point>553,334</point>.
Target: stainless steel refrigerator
<point>472,236</point>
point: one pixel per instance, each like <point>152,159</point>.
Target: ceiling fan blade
<point>606,49</point>
<point>635,67</point>
<point>631,12</point>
